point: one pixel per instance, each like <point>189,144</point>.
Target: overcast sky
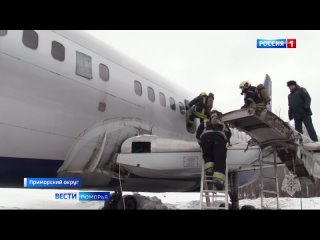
<point>218,61</point>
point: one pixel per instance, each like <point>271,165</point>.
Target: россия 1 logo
<point>276,43</point>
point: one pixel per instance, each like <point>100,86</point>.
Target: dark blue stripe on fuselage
<point>13,170</point>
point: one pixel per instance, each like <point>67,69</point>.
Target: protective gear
<point>299,110</point>
<point>208,168</point>
<point>252,98</point>
<point>255,97</point>
<point>213,138</point>
<point>219,175</point>
<point>209,102</point>
<point>200,107</point>
<point>219,125</point>
<point>263,93</point>
<point>218,184</point>
<point>244,85</point>
<point>218,180</point>
<point>214,150</point>
<point>268,106</point>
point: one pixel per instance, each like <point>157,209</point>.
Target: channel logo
<point>66,196</point>
<point>277,43</point>
<point>94,196</point>
<point>82,196</point>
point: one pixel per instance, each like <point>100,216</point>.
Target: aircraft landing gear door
<point>190,125</point>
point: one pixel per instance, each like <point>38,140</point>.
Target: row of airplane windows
<point>30,39</point>
<point>162,97</point>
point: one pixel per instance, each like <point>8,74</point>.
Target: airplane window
<point>30,39</point>
<point>137,87</point>
<point>84,66</point>
<point>57,51</point>
<point>104,72</point>
<point>182,109</point>
<point>172,104</point>
<point>151,95</point>
<point>162,99</point>
<point>3,32</point>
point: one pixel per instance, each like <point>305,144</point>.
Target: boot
<point>218,184</point>
<point>218,180</point>
<point>208,169</point>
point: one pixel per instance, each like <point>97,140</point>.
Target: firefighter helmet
<point>244,85</point>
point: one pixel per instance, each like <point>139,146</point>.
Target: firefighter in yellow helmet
<point>254,97</point>
<point>200,107</point>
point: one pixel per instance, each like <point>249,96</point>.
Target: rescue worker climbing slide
<point>254,97</point>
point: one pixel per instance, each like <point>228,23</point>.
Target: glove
<point>268,106</point>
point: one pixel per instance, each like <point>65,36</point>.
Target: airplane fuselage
<point>68,101</point>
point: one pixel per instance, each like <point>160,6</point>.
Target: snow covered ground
<point>44,199</point>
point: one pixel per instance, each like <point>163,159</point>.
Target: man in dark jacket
<point>213,135</point>
<point>299,109</point>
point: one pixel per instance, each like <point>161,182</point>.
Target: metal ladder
<point>275,178</point>
<point>213,198</point>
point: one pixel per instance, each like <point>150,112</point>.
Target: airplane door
<point>190,129</point>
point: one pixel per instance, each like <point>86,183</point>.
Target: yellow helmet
<point>203,94</point>
<point>244,84</point>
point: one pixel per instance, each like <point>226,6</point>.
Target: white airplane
<point>70,106</point>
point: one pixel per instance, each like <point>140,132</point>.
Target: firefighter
<point>213,135</point>
<point>254,97</point>
<point>299,109</point>
<point>200,107</point>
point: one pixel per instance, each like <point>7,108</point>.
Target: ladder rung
<point>268,163</point>
<point>269,177</point>
<point>268,191</point>
<point>214,191</point>
<point>216,196</point>
<point>209,196</point>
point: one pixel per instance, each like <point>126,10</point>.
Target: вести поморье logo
<point>276,43</point>
<point>83,196</point>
